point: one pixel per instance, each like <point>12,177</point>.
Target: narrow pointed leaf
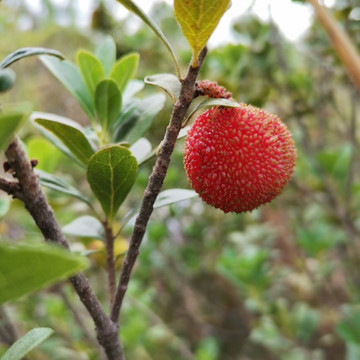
<point>111,174</point>
<point>107,103</point>
<point>106,53</point>
<point>69,75</point>
<point>27,343</point>
<point>58,184</point>
<point>29,51</point>
<point>9,124</point>
<point>168,82</point>
<point>72,137</point>
<point>131,6</point>
<point>166,197</point>
<point>27,268</point>
<point>125,69</point>
<point>211,102</point>
<point>150,108</point>
<point>172,196</point>
<point>91,70</point>
<point>140,119</point>
<point>7,79</point>
<point>198,19</point>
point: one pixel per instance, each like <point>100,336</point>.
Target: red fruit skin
<point>237,159</point>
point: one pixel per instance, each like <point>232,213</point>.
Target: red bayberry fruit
<point>237,159</point>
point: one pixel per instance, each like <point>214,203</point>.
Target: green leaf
<point>106,53</point>
<point>210,102</point>
<point>69,75</point>
<point>45,152</point>
<point>9,124</point>
<point>58,184</point>
<point>51,137</point>
<point>107,103</point>
<point>133,87</point>
<point>26,343</point>
<point>91,70</point>
<point>172,196</point>
<point>166,197</point>
<point>4,205</point>
<point>139,118</point>
<point>125,69</point>
<point>348,328</point>
<point>85,226</point>
<point>29,51</point>
<point>111,174</point>
<point>26,268</point>
<point>141,149</point>
<point>198,19</point>
<point>7,79</point>
<point>131,6</point>
<point>168,82</point>
<point>71,134</point>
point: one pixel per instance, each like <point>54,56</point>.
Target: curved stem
<point>340,41</point>
<point>31,194</point>
<point>155,181</point>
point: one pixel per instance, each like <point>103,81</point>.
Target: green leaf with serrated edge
<point>27,343</point>
<point>125,69</point>
<point>58,184</point>
<point>140,119</point>
<point>111,173</point>
<point>168,82</point>
<point>106,53</point>
<point>131,6</point>
<point>26,268</point>
<point>7,79</point>
<point>72,136</point>
<point>85,226</point>
<point>211,102</point>
<point>9,124</point>
<point>107,103</point>
<point>198,19</point>
<point>69,75</point>
<point>29,51</point>
<point>172,196</point>
<point>91,70</point>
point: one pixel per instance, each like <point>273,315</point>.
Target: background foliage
<point>281,282</point>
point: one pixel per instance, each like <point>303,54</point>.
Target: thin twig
<point>110,261</point>
<point>10,187</point>
<point>35,202</point>
<point>155,182</point>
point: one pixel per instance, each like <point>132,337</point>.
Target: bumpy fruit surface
<point>237,159</point>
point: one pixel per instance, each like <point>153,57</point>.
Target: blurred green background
<point>282,282</point>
